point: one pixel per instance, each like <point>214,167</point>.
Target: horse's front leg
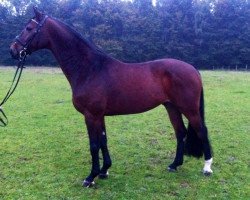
<point>105,153</point>
<point>95,126</point>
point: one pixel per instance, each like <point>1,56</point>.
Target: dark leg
<point>94,126</point>
<point>205,142</point>
<point>105,153</point>
<point>201,129</point>
<point>180,132</point>
<point>207,151</point>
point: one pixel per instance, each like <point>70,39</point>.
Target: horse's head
<point>32,37</point>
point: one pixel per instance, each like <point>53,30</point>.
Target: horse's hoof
<point>170,169</point>
<point>103,176</point>
<point>207,173</point>
<point>88,184</point>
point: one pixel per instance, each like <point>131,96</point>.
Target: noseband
<point>24,51</point>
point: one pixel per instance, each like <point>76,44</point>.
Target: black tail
<point>193,144</point>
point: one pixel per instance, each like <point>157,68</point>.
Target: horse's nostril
<point>13,53</point>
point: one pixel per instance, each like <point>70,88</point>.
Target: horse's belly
<point>127,111</point>
<point>134,102</point>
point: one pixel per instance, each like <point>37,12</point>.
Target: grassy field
<point>44,152</point>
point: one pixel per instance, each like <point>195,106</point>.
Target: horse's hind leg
<point>180,132</point>
<point>197,125</point>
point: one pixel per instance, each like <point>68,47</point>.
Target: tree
<point>205,33</point>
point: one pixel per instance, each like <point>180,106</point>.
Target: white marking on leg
<point>103,133</point>
<point>88,184</point>
<point>207,167</point>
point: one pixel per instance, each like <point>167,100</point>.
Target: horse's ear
<point>38,14</point>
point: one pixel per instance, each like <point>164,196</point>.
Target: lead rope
<point>3,119</point>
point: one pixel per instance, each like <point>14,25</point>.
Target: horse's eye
<point>28,29</point>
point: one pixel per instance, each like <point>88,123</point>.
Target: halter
<point>24,51</point>
<point>22,57</point>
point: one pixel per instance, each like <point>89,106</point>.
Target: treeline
<point>205,33</point>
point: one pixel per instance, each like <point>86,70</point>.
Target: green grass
<point>44,151</point>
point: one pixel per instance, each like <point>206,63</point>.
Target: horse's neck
<point>73,54</point>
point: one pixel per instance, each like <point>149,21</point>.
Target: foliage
<point>204,33</point>
<point>45,151</point>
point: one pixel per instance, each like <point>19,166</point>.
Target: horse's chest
<point>89,102</point>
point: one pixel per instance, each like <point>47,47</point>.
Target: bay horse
<point>104,86</point>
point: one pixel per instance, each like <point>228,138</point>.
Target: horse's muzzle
<point>14,55</point>
<point>14,52</point>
